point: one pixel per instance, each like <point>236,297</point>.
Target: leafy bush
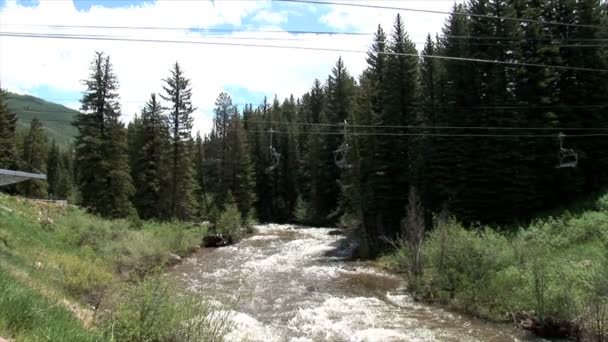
<point>602,203</point>
<point>555,270</point>
<point>230,221</point>
<point>83,277</point>
<point>152,311</point>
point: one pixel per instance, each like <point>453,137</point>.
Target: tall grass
<point>27,316</point>
<point>106,267</point>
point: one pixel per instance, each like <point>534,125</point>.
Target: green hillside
<point>56,118</point>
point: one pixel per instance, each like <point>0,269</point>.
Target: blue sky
<point>53,69</point>
<point>296,19</point>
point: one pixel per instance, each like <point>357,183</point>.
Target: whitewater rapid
<point>289,283</point>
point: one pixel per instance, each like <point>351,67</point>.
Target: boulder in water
<point>217,240</point>
<point>173,259</point>
<point>336,232</point>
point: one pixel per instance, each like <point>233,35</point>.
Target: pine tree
<point>225,112</point>
<point>34,155</point>
<point>103,174</point>
<point>149,166</point>
<point>340,91</point>
<point>8,122</point>
<point>391,160</point>
<point>242,182</point>
<point>201,176</point>
<point>53,170</point>
<point>59,174</point>
<point>178,93</point>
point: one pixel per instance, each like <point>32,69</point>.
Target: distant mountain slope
<point>57,119</point>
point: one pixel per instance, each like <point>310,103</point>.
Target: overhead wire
<point>419,10</point>
<point>471,135</point>
<point>526,40</point>
<point>408,127</point>
<point>293,47</point>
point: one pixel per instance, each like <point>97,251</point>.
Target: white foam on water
<point>382,335</point>
<point>355,319</point>
<point>288,291</point>
<point>247,328</point>
<point>264,237</point>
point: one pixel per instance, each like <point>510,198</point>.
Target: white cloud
<point>26,63</point>
<point>269,17</point>
<point>417,24</point>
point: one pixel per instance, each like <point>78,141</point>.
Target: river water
<point>289,283</point>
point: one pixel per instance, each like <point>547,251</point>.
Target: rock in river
<point>217,240</point>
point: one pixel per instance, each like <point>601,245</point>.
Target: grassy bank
<point>66,272</point>
<point>551,275</point>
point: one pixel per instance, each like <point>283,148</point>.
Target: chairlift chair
<point>567,156</point>
<point>275,157</point>
<point>340,156</point>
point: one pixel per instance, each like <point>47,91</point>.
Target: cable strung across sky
<point>419,10</point>
<point>294,47</point>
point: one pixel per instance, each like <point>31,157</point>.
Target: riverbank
<point>550,277</point>
<point>299,283</point>
<point>65,273</point>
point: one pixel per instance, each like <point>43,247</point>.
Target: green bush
<point>230,221</point>
<point>602,203</point>
<point>555,270</point>
<point>155,310</point>
<point>82,277</point>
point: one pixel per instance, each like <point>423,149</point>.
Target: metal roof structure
<point>11,177</point>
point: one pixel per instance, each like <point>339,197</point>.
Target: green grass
<point>56,119</point>
<point>27,316</point>
<point>79,259</point>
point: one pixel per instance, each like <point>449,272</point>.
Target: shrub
<point>83,277</point>
<point>467,268</point>
<point>229,221</point>
<point>602,203</point>
<point>301,211</point>
<point>155,310</point>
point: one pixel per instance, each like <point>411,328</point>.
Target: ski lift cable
<point>409,106</point>
<point>293,47</point>
<point>437,134</point>
<point>547,42</point>
<point>437,127</point>
<point>558,40</point>
<point>419,10</point>
<point>514,128</point>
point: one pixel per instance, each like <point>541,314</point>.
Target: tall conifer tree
<point>178,92</point>
<point>103,170</point>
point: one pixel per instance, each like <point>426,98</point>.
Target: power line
<point>434,127</point>
<point>313,32</point>
<point>25,162</point>
<point>422,127</point>
<point>418,10</point>
<point>270,105</point>
<point>523,38</point>
<point>194,30</point>
<point>471,135</point>
<point>462,59</point>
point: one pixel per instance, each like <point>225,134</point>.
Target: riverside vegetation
<point>480,139</point>
<point>66,275</point>
<point>550,276</point>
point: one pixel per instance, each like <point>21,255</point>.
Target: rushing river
<point>294,284</point>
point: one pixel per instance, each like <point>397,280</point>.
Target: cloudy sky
<point>53,69</point>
